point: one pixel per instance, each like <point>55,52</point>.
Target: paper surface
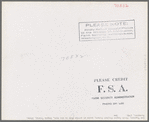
<point>74,60</point>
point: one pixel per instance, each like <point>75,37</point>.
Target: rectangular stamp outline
<point>107,21</point>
